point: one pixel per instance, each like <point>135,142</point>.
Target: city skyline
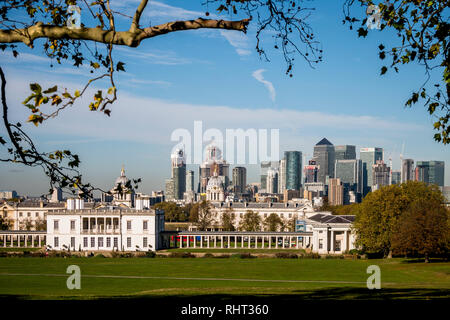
<point>183,80</point>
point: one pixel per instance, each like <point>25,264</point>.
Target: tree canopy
<point>381,213</point>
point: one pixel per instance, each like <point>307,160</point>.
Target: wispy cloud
<point>238,40</point>
<point>154,56</point>
<point>259,77</point>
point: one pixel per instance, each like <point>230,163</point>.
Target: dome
<point>122,180</point>
<point>214,183</point>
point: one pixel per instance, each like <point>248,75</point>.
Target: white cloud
<point>153,56</point>
<point>259,77</point>
<point>238,40</point>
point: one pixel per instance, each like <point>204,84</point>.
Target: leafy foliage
<point>423,32</point>
<point>378,216</point>
<point>250,222</point>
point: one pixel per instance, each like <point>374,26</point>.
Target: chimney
<point>41,204</point>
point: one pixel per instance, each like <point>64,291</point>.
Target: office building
<point>272,181</point>
<point>239,179</point>
<point>324,157</point>
<point>369,157</point>
<point>189,180</point>
<point>293,170</point>
<point>350,174</point>
<point>380,175</point>
<point>311,171</point>
<point>335,192</point>
<point>407,170</point>
<point>395,177</point>
<point>431,172</point>
<point>345,152</point>
<point>282,176</point>
<point>178,173</point>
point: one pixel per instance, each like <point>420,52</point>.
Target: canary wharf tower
<point>178,173</point>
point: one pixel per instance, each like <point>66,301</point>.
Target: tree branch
<point>137,16</point>
<point>126,38</point>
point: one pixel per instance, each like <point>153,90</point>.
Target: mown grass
<point>45,278</point>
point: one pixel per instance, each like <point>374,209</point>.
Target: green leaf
<point>51,90</point>
<point>119,66</point>
<point>35,87</point>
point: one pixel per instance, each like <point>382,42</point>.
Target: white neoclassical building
<point>105,229</point>
<point>331,233</point>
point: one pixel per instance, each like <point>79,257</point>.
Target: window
<point>72,225</point>
<point>129,225</point>
<point>320,243</point>
<point>56,225</point>
<point>85,242</point>
<point>265,215</point>
<point>100,242</point>
<point>36,214</point>
<point>129,242</point>
<point>116,243</point>
<point>145,242</point>
<point>56,242</point>
<point>20,214</point>
<point>282,215</point>
<point>92,242</point>
<point>72,242</point>
<point>29,214</point>
<point>108,242</point>
<point>290,215</point>
<point>320,231</point>
<point>145,225</point>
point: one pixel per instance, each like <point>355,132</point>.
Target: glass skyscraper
<point>324,157</point>
<point>350,174</point>
<point>431,172</point>
<point>369,157</point>
<point>345,152</point>
<point>293,169</point>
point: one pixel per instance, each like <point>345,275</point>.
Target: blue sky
<point>212,75</point>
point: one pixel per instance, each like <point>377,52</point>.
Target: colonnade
<point>22,240</point>
<point>216,240</point>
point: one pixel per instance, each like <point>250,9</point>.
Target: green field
<point>45,278</point>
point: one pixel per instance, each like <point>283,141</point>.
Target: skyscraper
<point>293,169</point>
<point>407,172</point>
<point>324,157</point>
<point>431,172</point>
<point>311,171</point>
<point>265,166</point>
<point>380,175</point>
<point>396,177</point>
<point>350,174</point>
<point>345,152</point>
<point>178,173</point>
<point>335,192</point>
<point>272,180</point>
<point>189,180</point>
<point>213,162</point>
<point>369,157</point>
<point>282,176</point>
<point>239,179</point>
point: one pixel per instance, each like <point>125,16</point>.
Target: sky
<point>217,77</point>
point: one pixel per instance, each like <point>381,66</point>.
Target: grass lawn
<point>45,278</point>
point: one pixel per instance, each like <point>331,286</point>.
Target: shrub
<point>150,254</point>
<point>286,255</point>
<point>245,256</point>
<point>311,255</point>
<point>181,255</point>
<point>208,255</point>
<point>100,255</point>
<point>222,256</point>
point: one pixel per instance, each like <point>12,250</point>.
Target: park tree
<point>40,224</point>
<point>272,222</point>
<point>378,216</point>
<point>201,215</point>
<point>423,230</point>
<point>228,220</point>
<point>52,26</point>
<point>5,223</point>
<point>172,212</point>
<point>250,222</point>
